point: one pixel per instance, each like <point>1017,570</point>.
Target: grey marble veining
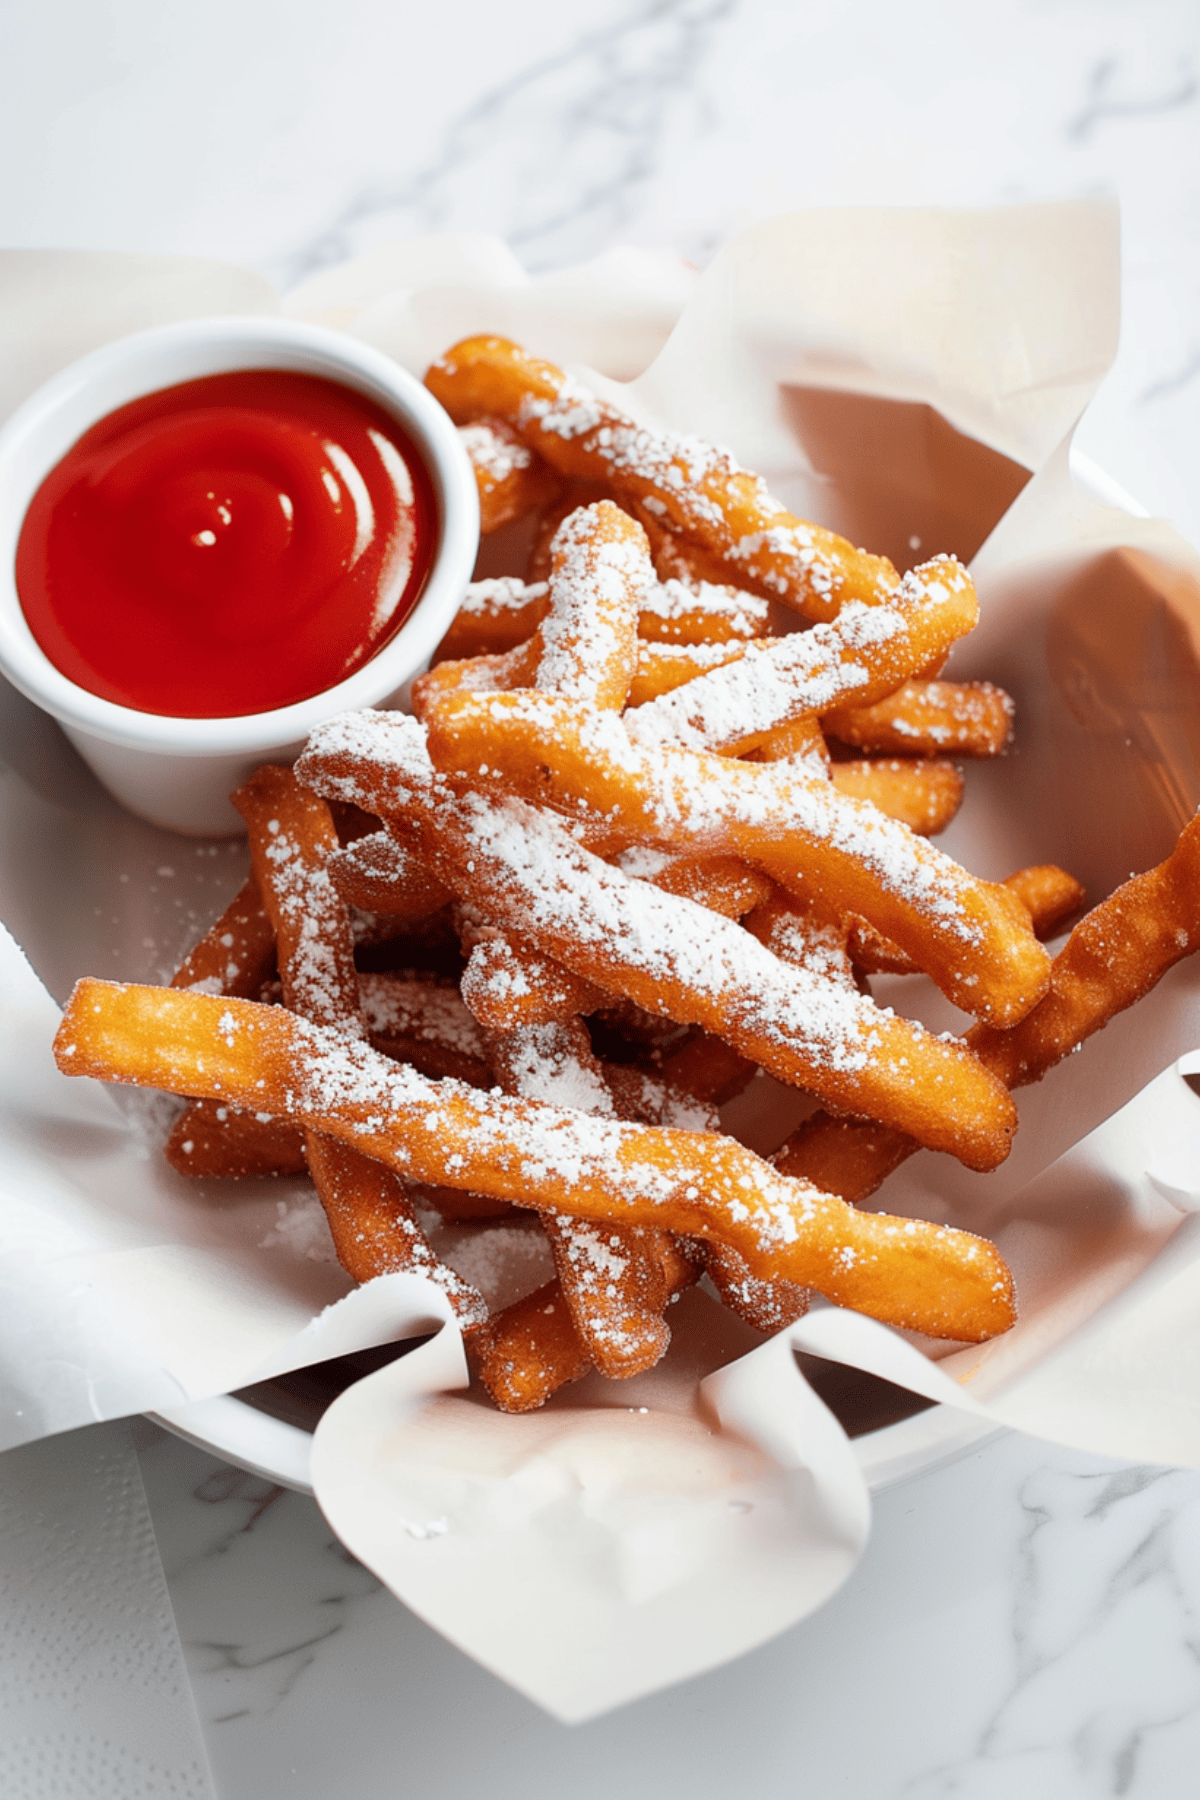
<point>1024,1622</point>
<point>606,102</point>
<point>282,139</point>
<point>1104,1694</point>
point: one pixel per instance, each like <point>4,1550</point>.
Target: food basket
<point>929,412</point>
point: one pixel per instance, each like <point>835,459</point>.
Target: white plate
<point>251,1439</point>
<point>88,889</point>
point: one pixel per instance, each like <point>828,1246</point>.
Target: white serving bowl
<point>179,772</point>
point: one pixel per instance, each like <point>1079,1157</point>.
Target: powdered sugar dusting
<point>601,570</point>
<point>501,594</point>
<point>494,453</point>
<point>806,672</point>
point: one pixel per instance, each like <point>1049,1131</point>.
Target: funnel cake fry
<point>904,1271</point>
<point>702,612</point>
<point>862,655</point>
<point>664,952</point>
<point>973,937</point>
<point>512,480</point>
<point>529,1350</point>
<point>1115,955</point>
<point>658,670</point>
<point>411,1020</point>
<point>600,569</point>
<point>922,795</point>
<point>928,718</point>
<point>381,875</point>
<point>502,613</point>
<point>236,955</point>
<point>696,488</point>
<point>664,667</point>
<point>211,1141</point>
<point>371,1218</point>
<point>495,616</point>
<point>611,1277</point>
<point>507,983</point>
<point>1048,894</point>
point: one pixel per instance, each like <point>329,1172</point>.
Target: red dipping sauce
<point>227,546</point>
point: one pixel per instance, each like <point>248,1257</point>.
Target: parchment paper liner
<point>831,351</point>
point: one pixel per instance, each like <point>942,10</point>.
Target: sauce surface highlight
<point>227,546</point>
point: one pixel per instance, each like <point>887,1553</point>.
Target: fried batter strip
<point>695,487</point>
<point>664,952</point>
<point>1115,955</point>
<point>904,1271</point>
<point>371,1217</point>
<point>973,937</point>
<point>928,718</point>
<point>236,955</point>
<point>862,655</point>
<point>512,480</point>
<point>922,795</point>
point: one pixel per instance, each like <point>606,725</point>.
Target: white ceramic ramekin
<point>180,772</point>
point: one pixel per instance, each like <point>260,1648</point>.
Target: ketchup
<point>227,546</point>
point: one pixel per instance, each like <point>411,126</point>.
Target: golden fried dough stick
<point>677,560</point>
<point>611,1276</point>
<point>411,1019</point>
<point>516,668</point>
<point>850,1157</point>
<point>236,955</point>
<point>211,1141</point>
<point>495,616</point>
<point>696,488</point>
<point>292,837</point>
<point>374,1226</point>
<point>381,875</point>
<point>612,1279</point>
<point>648,1099</point>
<point>512,480</point>
<point>796,934</point>
<point>237,952</point>
<point>661,668</point>
<point>507,983</point>
<point>600,569</point>
<point>578,493</point>
<point>802,741</point>
<point>456,1206</point>
<point>766,1306</point>
<point>922,795</point>
<point>861,655</point>
<point>720,883</point>
<point>664,952</point>
<point>372,1220</point>
<point>973,937</point>
<point>500,614</point>
<point>927,1277</point>
<point>408,1018</point>
<point>928,718</point>
<point>706,1067</point>
<point>421,1020</point>
<point>1048,894</point>
<point>1115,955</point>
<point>703,613</point>
<point>528,1351</point>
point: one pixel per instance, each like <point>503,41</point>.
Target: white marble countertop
<point>1026,1620</point>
